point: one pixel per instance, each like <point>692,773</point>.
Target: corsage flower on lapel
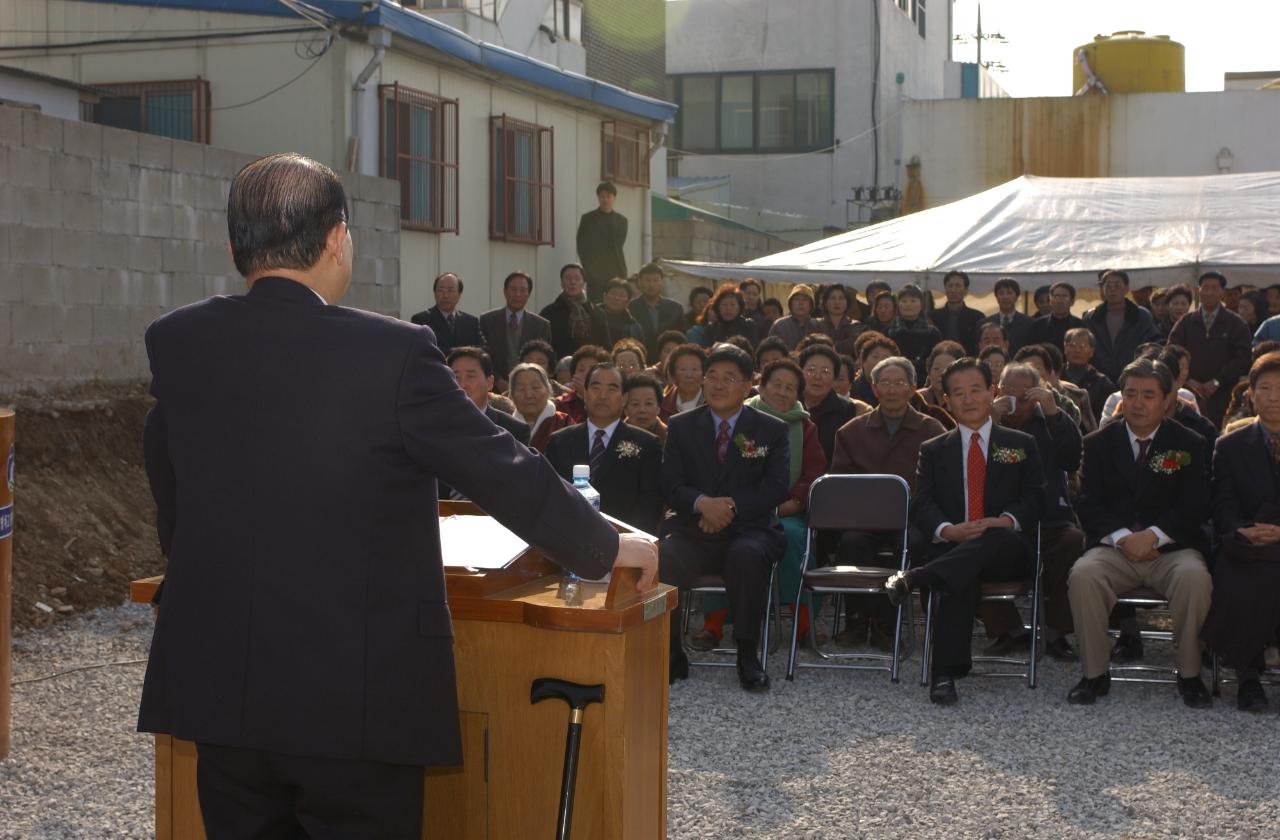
<point>1005,455</point>
<point>1168,463</point>
<point>627,449</point>
<point>749,448</point>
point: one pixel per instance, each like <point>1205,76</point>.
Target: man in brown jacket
<point>884,441</point>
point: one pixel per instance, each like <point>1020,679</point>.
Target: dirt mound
<point>84,521</point>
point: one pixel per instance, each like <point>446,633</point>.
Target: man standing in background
<point>601,235</point>
<point>452,326</point>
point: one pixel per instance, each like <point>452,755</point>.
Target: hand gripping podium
<point>510,627</point>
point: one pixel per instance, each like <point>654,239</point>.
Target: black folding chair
<point>877,503</point>
<point>998,591</point>
<point>714,585</point>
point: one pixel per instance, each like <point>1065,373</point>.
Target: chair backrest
<point>859,503</point>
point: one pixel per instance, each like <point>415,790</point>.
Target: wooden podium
<point>511,627</point>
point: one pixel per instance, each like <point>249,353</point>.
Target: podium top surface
<point>531,590</point>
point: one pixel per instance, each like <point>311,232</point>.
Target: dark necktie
<point>597,451</point>
<point>1143,445</point>
<point>1273,444</point>
<point>514,324</point>
<point>722,441</point>
<point>977,477</point>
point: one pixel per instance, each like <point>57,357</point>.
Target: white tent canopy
<point>1049,229</point>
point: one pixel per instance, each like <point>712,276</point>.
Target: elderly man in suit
<point>1143,497</point>
<point>452,326</point>
<point>302,638</point>
<point>505,330</point>
<point>625,462</point>
<point>725,470</point>
<point>979,496</point>
<point>1220,343</point>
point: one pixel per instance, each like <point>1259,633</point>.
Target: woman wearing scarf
<point>781,383</point>
<point>530,390</point>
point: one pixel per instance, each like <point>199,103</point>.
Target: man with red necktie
<point>980,494</point>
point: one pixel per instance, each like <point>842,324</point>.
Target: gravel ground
<point>832,755</point>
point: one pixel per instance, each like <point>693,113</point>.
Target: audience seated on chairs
<point>612,320</point>
<point>770,349</point>
<point>725,471</point>
<point>1078,348</point>
<point>628,354</point>
<point>728,306</point>
<point>827,409</point>
<point>1078,396</point>
<point>686,366</point>
<point>1040,358</point>
<point>996,358</point>
<point>531,392</point>
<point>668,341</point>
<point>940,358</point>
<point>584,358</point>
<point>473,369</point>
<point>1143,497</point>
<point>1245,611</point>
<point>1026,405</point>
<point>800,320</point>
<point>1240,411</point>
<point>979,494</point>
<point>625,462</point>
<point>541,352</point>
<point>870,349</point>
<point>780,385</point>
<point>884,441</point>
<point>644,402</point>
<point>836,319</point>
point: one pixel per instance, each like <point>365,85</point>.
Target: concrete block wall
<point>690,239</point>
<point>103,230</point>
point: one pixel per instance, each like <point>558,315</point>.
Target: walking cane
<point>578,697</point>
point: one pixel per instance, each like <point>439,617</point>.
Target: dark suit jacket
<point>1110,356</point>
<point>1016,489</point>
<point>691,469</point>
<point>1018,332</point>
<point>517,427</point>
<point>494,333</point>
<point>562,340</point>
<point>1224,353</point>
<point>962,328</point>
<point>464,333</point>
<point>630,486</point>
<point>293,453</point>
<point>1244,479</point>
<point>1116,492</point>
<point>601,237</point>
<point>1059,444</point>
<point>670,317</point>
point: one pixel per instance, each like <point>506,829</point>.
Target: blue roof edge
<point>440,36</point>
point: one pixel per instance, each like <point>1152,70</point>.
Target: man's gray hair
<point>528,367</point>
<point>908,369</point>
<point>1020,369</point>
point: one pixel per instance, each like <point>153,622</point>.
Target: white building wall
<point>721,36</point>
<point>969,145</point>
<point>314,116</point>
<point>54,100</point>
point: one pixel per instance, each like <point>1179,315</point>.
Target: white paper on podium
<point>478,542</point>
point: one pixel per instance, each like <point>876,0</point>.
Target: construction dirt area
<point>84,522</point>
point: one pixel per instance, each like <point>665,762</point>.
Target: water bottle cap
<point>581,471</point>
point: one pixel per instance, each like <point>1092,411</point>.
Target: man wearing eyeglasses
<point>725,470</point>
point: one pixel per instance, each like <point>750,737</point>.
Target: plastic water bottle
<point>582,483</point>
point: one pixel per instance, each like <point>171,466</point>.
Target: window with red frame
<point>624,153</point>
<point>419,149</point>
<point>521,181</point>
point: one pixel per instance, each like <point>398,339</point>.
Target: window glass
<point>777,115</point>
<point>736,112</point>
<point>698,112</point>
<point>813,110</point>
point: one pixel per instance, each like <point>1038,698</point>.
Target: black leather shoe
<point>1194,694</point>
<point>1088,690</point>
<point>750,674</point>
<point>942,690</point>
<point>1060,649</point>
<point>1126,648</point>
<point>1006,644</point>
<point>896,588</point>
<point>678,669</point>
<point>1250,697</point>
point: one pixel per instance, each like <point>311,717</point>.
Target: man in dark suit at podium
<point>303,641</point>
<point>725,470</point>
<point>452,326</point>
<point>979,495</point>
<point>625,462</point>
